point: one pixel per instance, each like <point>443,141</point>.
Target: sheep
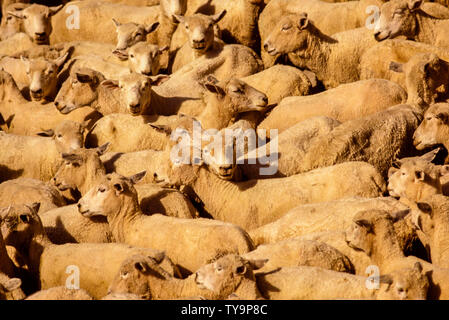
<point>414,180</point>
<point>18,42</point>
<point>223,276</point>
<point>47,262</point>
<point>343,103</point>
<point>65,225</point>
<point>60,293</point>
<point>37,21</point>
<point>334,59</point>
<point>38,157</point>
<point>36,78</point>
<point>291,145</point>
<point>430,217</point>
<point>200,31</point>
<point>7,267</point>
<point>22,190</point>
<point>372,232</point>
<point>10,24</point>
<point>420,68</point>
<point>299,283</point>
<point>238,26</point>
<point>434,127</point>
<point>224,103</point>
<point>97,21</point>
<point>116,198</point>
<point>144,58</point>
<point>319,217</point>
<point>298,252</point>
<point>87,87</point>
<point>83,169</point>
<point>279,82</point>
<point>405,18</point>
<point>255,202</point>
<point>20,116</point>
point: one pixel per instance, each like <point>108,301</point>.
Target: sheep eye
<point>125,275</point>
<point>138,34</point>
<point>9,18</point>
<point>101,189</point>
<point>187,27</point>
<point>219,268</point>
<point>59,136</point>
<point>286,27</point>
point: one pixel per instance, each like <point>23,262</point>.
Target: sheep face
<point>169,8</point>
<point>289,35</point>
<point>133,275</point>
<point>77,167</point>
<point>11,24</point>
<point>37,21</point>
<point>19,224</point>
<point>43,76</point>
<point>218,160</point>
<point>360,235</point>
<point>397,18</point>
<point>135,92</point>
<point>128,34</point>
<point>200,30</point>
<point>434,129</point>
<point>405,284</point>
<point>414,180</point>
<point>144,58</point>
<point>422,217</point>
<point>109,196</point>
<point>10,288</point>
<point>68,136</point>
<point>79,90</point>
<point>225,274</point>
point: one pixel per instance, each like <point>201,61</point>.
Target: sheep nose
<point>265,46</point>
<point>376,35</point>
<point>39,91</point>
<point>56,103</point>
<point>199,41</point>
<point>265,99</point>
<point>78,205</point>
<point>40,34</point>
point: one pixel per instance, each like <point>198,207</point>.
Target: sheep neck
<point>217,113</point>
<point>94,175</point>
<point>125,216</point>
<point>316,55</point>
<point>214,192</point>
<point>107,100</point>
<point>385,248</point>
<point>426,26</point>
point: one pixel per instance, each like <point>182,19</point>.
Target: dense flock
<point>211,149</point>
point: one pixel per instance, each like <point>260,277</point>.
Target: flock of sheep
<point>224,149</point>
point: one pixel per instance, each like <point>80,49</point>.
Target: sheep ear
<point>151,28</point>
<point>414,4</point>
<point>116,23</point>
<point>16,14</point>
<point>178,18</point>
<point>54,10</point>
<point>257,263</point>
<point>12,284</point>
<point>219,16</point>
<point>119,188</point>
<point>121,53</point>
<point>102,149</point>
<point>159,257</point>
<point>392,171</point>
<point>303,21</point>
<point>365,224</point>
<point>35,207</point>
<point>140,266</point>
<point>396,67</point>
<point>443,117</point>
<point>162,128</point>
<point>84,77</point>
<point>164,48</point>
<point>240,269</point>
<point>420,175</point>
<point>71,157</point>
<point>418,266</point>
<point>159,79</point>
<point>46,133</point>
<point>61,60</point>
<point>385,278</point>
<point>111,84</point>
<point>444,170</point>
<point>430,156</point>
<point>399,215</point>
<point>211,85</point>
<point>424,207</point>
<point>137,177</point>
